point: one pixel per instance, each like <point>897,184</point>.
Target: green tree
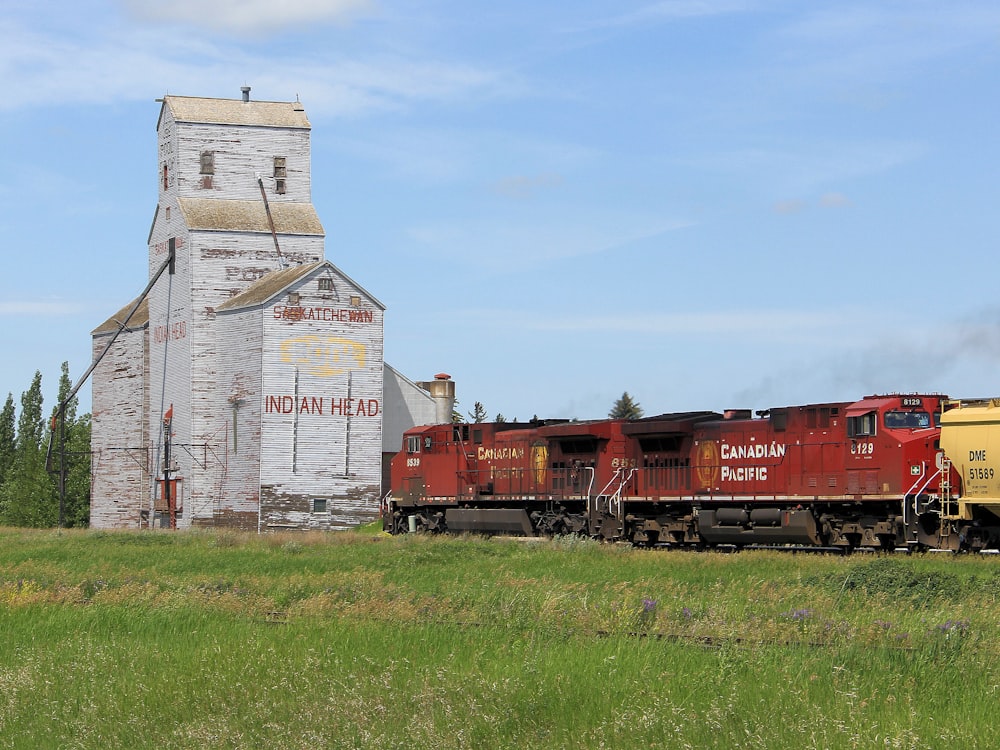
<point>27,497</point>
<point>478,413</point>
<point>500,418</point>
<point>71,454</point>
<point>7,437</point>
<point>625,408</point>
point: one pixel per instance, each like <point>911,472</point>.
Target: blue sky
<point>709,204</point>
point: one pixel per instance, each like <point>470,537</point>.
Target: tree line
<point>31,495</point>
<point>625,407</point>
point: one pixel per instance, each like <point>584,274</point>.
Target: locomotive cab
<point>892,443</point>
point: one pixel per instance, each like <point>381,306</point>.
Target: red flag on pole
<point>169,414</point>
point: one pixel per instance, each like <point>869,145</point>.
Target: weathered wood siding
<point>119,443</point>
<point>240,153</point>
<point>321,423</point>
<point>239,340</point>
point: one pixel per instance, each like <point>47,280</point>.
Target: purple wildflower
<point>798,615</point>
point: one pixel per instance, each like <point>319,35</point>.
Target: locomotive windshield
<point>907,420</point>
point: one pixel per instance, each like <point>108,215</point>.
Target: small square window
<point>326,284</point>
<point>279,187</point>
<point>293,298</point>
<point>319,505</point>
<point>208,162</point>
<point>355,301</point>
<point>279,167</point>
<point>166,213</point>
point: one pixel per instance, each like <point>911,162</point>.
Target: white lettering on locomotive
<point>744,473</point>
<point>757,451</point>
<point>753,450</point>
<point>498,454</point>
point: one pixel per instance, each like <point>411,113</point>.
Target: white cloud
<point>870,42</point>
<point>10,309</point>
<point>668,10</point>
<point>520,244</point>
<point>797,170</point>
<point>793,206</point>
<point>757,323</point>
<point>524,186</point>
<point>249,16</point>
<point>46,68</point>
<point>834,200</point>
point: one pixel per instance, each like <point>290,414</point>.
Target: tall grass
<point>202,640</point>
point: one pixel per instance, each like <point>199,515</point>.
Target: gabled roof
<point>276,282</point>
<point>139,319</point>
<point>236,112</point>
<point>249,216</point>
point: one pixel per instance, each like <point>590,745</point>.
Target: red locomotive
<point>836,475</point>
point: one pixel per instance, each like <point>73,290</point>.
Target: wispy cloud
<point>871,41</point>
<point>834,200</point>
<point>517,245</point>
<point>249,16</point>
<point>666,11</point>
<point>802,169</point>
<point>789,206</point>
<point>524,186</point>
<point>762,324</point>
<point>47,308</point>
<point>797,205</point>
<point>114,60</point>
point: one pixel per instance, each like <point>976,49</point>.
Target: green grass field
<point>218,640</point>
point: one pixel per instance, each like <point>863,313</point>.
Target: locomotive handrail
<point>913,489</point>
<point>590,485</point>
<point>915,492</point>
<point>615,499</point>
<point>611,481</point>
<point>383,504</point>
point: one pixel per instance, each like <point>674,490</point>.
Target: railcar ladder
<point>948,503</point>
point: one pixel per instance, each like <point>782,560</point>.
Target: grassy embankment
<point>198,640</point>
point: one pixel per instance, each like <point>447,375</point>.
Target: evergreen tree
<point>7,436</point>
<point>625,408</point>
<point>27,497</point>
<point>71,453</point>
<point>30,427</point>
<point>478,413</point>
<point>500,418</point>
<point>76,512</point>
